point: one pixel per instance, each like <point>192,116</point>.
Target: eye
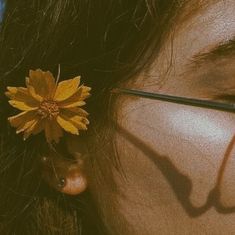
<point>226,98</point>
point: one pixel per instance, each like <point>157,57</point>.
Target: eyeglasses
<point>228,107</point>
<point>214,198</point>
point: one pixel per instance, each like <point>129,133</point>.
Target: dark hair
<point>106,42</point>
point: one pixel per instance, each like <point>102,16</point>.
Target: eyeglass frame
<point>221,106</point>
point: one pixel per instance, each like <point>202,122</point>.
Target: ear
<point>65,175</point>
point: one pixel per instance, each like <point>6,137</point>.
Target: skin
<point>176,157</point>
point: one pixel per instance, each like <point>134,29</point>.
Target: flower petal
<point>66,89</point>
<point>77,98</point>
<point>21,105</point>
<point>20,94</point>
<point>32,91</point>
<point>41,84</point>
<point>72,105</point>
<point>78,121</point>
<point>51,85</point>
<point>53,131</point>
<point>79,111</point>
<point>34,129</point>
<point>26,125</point>
<point>22,99</point>
<point>21,118</point>
<point>67,125</point>
<point>85,92</point>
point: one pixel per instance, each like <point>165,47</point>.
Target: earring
<point>44,159</point>
<point>64,175</point>
<point>61,182</point>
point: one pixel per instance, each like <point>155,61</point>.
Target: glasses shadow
<point>180,183</point>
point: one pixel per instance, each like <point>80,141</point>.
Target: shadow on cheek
<point>180,183</point>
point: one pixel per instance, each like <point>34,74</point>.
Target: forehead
<point>211,25</point>
<point>199,28</point>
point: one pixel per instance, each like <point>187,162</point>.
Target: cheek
<point>194,141</point>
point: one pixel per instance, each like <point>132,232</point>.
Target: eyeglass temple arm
<point>177,99</point>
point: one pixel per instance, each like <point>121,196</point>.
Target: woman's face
<point>179,161</point>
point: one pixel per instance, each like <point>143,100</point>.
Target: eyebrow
<point>222,50</point>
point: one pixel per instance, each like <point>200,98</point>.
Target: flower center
<point>48,109</point>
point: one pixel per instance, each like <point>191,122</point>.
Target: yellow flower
<point>49,106</point>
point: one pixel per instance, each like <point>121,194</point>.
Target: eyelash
<point>226,95</point>
<point>227,98</point>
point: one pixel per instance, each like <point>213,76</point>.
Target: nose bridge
<point>226,176</point>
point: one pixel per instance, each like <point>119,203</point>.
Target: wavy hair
<point>104,41</point>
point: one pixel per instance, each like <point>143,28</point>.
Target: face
<point>179,161</point>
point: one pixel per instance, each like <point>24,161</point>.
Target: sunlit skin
<point>171,154</point>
